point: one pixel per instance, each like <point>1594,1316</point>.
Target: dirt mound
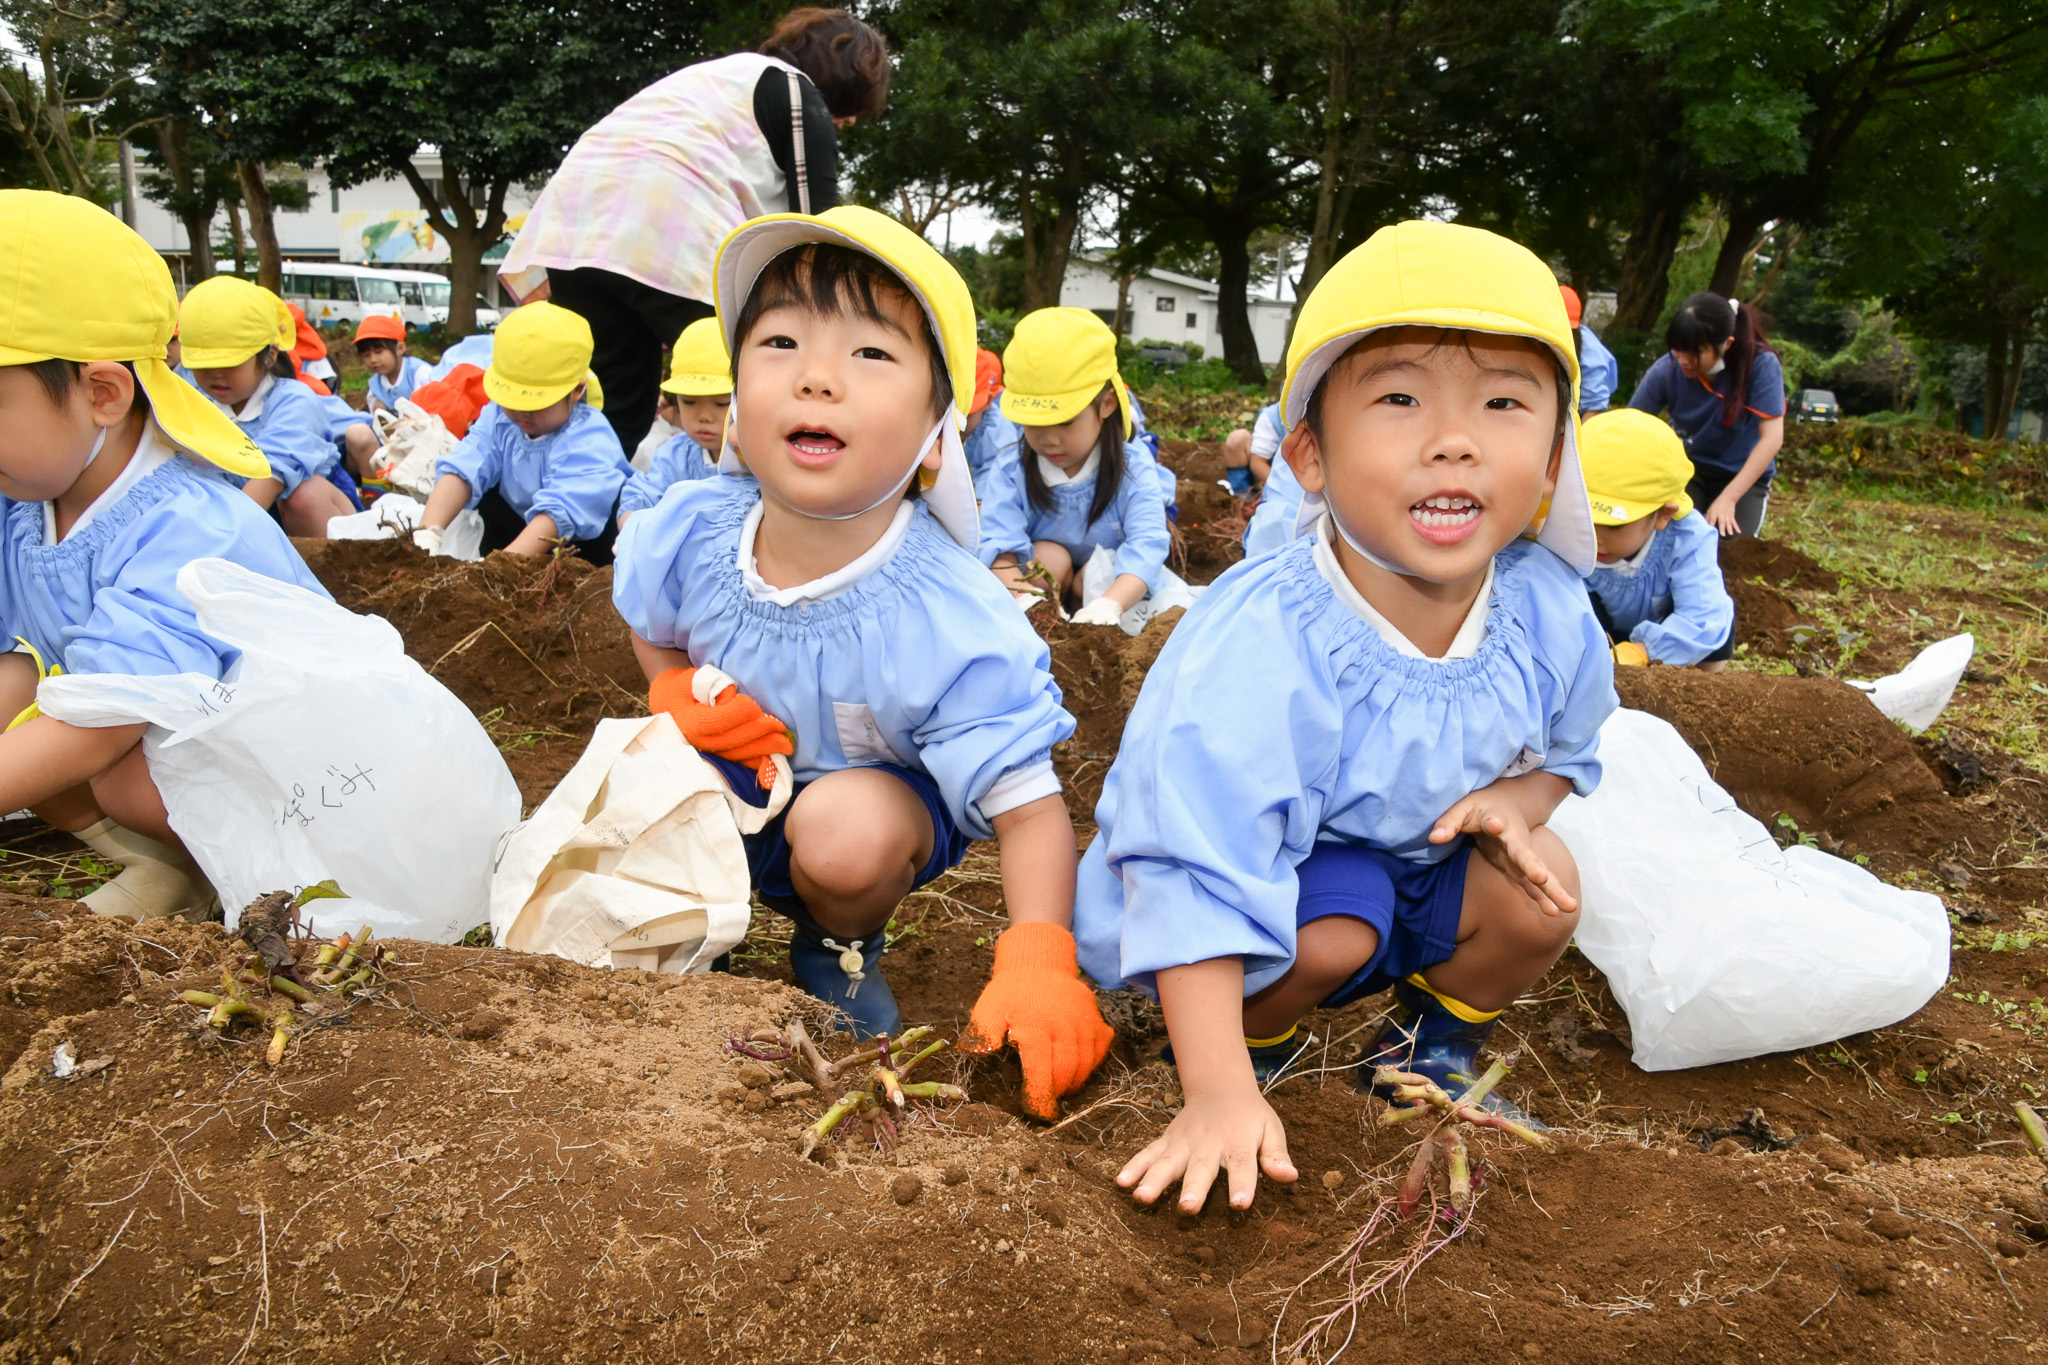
<point>1100,671</point>
<point>507,1157</point>
<point>1818,752</point>
<point>1776,563</point>
<point>533,646</point>
<point>1758,573</point>
<point>1210,533</point>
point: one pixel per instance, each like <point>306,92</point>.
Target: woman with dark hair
<point>628,227</point>
<point>1720,384</point>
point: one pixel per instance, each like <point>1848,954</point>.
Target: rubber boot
<point>845,975</point>
<point>155,879</point>
<point>1435,1036</point>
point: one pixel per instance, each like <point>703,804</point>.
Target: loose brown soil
<point>507,1158</point>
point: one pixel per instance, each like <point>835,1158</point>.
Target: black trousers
<point>1706,485</point>
<point>632,324</point>
<point>503,524</point>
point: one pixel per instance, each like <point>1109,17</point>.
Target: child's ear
<point>1556,463</point>
<point>1665,515</point>
<point>1304,454</point>
<point>109,389</point>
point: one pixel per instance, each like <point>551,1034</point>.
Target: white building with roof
<point>1178,309</point>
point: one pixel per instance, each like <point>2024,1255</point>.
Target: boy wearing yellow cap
<point>1658,591</point>
<point>1072,487</point>
<point>540,462</point>
<point>839,588</point>
<point>236,339</point>
<point>700,383</point>
<point>1338,727</point>
<point>108,487</point>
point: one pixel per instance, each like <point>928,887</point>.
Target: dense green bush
<point>1926,459</point>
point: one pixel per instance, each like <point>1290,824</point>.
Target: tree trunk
<point>237,239</point>
<point>262,224</point>
<point>1048,241</point>
<point>453,216</point>
<point>1323,231</point>
<point>2003,362</point>
<point>196,216</point>
<point>1646,258</point>
<point>1745,229</point>
<point>1232,237</point>
<point>1123,305</point>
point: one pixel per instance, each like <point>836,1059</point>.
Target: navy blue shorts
<point>1414,907</point>
<point>768,851</point>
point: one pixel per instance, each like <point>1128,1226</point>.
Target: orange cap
<point>988,379</point>
<point>1573,309</point>
<point>379,327</point>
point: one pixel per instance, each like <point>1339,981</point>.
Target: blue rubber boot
<point>1432,1035</point>
<point>845,975</point>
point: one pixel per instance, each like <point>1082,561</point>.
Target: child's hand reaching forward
<point>1499,817</point>
<point>1233,1134</point>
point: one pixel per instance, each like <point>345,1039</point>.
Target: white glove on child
<point>1103,611</point>
<point>428,538</point>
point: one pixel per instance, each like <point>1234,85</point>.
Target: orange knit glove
<point>1036,999</point>
<point>733,725</point>
<point>1629,654</point>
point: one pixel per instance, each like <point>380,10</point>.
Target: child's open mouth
<point>814,448</point>
<point>1445,518</point>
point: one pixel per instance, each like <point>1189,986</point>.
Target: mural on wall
<point>403,237</point>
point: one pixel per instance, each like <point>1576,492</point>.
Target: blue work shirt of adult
<point>1694,407</point>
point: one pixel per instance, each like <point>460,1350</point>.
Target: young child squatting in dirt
<point>107,490</point>
<point>235,338</point>
<point>700,385</point>
<point>920,702</point>
<point>1071,487</point>
<point>1658,590</point>
<point>540,461</point>
<point>1336,728</point>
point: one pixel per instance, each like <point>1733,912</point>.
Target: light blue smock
<point>1133,525</point>
<point>1276,716</point>
<point>926,663</point>
<point>1599,373</point>
<point>1268,431</point>
<point>1675,603</point>
<point>340,416</point>
<point>290,425</point>
<point>471,350</point>
<point>412,372</point>
<point>573,474</point>
<point>1272,523</point>
<point>106,599</point>
<point>679,460</point>
<point>991,444</point>
<point>1169,482</point>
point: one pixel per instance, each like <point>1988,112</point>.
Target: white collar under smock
<point>1463,645</point>
<point>1054,476</point>
<point>832,584</point>
<point>253,408</point>
<point>151,454</point>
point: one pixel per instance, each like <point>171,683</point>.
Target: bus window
<point>410,292</point>
<point>374,290</point>
<point>438,295</point>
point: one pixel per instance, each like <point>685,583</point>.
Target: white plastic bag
<point>1718,944</point>
<point>1916,695</point>
<point>635,860</point>
<point>414,442</point>
<point>325,753</point>
<point>1169,592</point>
<point>395,514</point>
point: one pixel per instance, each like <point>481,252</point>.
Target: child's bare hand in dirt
<point>1235,1133</point>
<point>1499,818</point>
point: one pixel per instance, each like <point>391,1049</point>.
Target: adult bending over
<point>1720,384</point>
<point>627,229</point>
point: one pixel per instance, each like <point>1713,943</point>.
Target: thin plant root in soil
<point>492,1157</point>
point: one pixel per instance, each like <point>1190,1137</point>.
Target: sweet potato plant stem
<point>204,999</point>
<point>2036,1131</point>
<point>291,989</point>
<point>280,1034</point>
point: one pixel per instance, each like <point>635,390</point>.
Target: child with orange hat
<point>110,483</point>
<point>380,342</point>
<point>991,437</point>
